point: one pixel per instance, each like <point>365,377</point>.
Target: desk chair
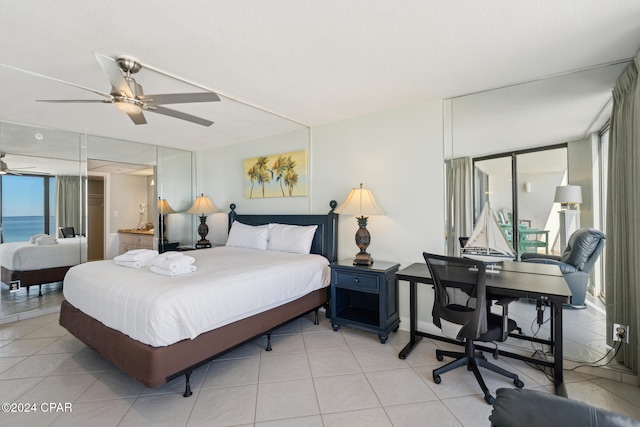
<point>461,303</point>
<point>67,232</point>
<point>576,262</point>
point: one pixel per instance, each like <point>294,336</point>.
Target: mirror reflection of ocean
<point>20,228</point>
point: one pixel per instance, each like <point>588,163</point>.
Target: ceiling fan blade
<point>97,92</point>
<point>91,101</point>
<point>114,74</point>
<point>179,98</point>
<point>137,118</point>
<point>181,115</point>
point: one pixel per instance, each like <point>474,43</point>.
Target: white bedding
<point>25,256</point>
<point>230,284</point>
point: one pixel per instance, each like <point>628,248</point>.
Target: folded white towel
<point>173,262</point>
<point>130,264</point>
<point>170,254</point>
<point>144,257</point>
<point>33,238</point>
<point>46,240</point>
<point>137,251</point>
<point>183,269</point>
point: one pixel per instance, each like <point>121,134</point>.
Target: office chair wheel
<point>495,354</point>
<point>489,399</point>
<point>439,356</point>
<point>437,379</point>
<point>518,383</point>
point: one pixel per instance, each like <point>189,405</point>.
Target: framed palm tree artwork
<point>276,175</point>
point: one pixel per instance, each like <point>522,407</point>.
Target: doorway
<point>95,218</point>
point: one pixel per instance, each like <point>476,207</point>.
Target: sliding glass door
<point>520,187</point>
<point>538,175</point>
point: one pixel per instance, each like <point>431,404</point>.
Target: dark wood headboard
<point>325,241</point>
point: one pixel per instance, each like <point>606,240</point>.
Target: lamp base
<point>203,243</point>
<point>363,258</point>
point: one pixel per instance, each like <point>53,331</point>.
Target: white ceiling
<point>312,62</point>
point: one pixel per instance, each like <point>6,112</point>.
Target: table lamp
<point>360,202</point>
<point>203,206</point>
<point>163,209</point>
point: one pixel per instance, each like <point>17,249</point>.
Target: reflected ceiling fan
<point>4,169</point>
<point>127,96</point>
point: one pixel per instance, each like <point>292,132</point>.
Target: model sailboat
<point>488,243</point>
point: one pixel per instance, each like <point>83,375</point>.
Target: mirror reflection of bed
<point>64,161</point>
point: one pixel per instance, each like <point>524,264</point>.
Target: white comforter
<point>25,256</point>
<point>229,284</point>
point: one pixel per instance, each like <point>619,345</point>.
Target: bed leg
<point>316,321</point>
<point>39,290</point>
<point>268,341</point>
<point>187,386</point>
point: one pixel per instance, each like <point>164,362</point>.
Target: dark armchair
<point>524,408</point>
<point>576,262</point>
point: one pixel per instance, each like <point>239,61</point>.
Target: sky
<point>23,195</point>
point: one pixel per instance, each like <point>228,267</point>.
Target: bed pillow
<point>291,238</point>
<point>248,236</point>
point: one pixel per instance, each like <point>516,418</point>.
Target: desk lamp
<point>203,206</point>
<point>360,201</point>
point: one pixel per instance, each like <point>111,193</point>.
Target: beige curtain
<point>459,194</point>
<point>69,202</point>
<point>623,213</point>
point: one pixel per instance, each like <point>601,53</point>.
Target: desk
<point>542,282</point>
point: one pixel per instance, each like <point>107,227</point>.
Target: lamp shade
<point>360,201</point>
<point>163,207</point>
<point>203,206</point>
<point>568,194</point>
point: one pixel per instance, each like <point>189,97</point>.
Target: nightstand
<point>167,246</point>
<point>365,297</point>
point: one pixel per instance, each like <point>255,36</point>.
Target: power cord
<point>594,365</point>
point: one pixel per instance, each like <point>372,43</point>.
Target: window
<point>27,206</point>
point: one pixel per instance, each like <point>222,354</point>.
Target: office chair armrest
<point>505,301</point>
<point>529,256</point>
<point>504,328</point>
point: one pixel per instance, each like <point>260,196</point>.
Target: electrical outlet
<point>620,332</point>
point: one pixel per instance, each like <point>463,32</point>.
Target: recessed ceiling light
<point>39,136</point>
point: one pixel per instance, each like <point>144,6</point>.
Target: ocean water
<point>20,228</point>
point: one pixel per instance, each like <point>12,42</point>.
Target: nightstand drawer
<point>357,281</point>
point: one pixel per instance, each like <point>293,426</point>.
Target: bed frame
<point>25,279</point>
<point>154,366</point>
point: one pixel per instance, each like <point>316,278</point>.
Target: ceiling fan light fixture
<point>127,105</point>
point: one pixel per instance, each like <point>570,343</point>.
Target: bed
<point>25,264</point>
<point>141,351</point>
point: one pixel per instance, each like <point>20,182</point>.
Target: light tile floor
<point>21,305</point>
<point>313,377</point>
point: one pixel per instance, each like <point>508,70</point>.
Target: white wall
<point>126,194</point>
<point>398,154</point>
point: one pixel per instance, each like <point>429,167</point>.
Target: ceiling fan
<point>127,96</point>
<point>4,169</point>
